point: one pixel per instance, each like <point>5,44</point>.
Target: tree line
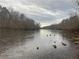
<point>15,20</point>
<point>71,23</point>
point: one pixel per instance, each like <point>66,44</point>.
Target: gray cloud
<point>44,11</point>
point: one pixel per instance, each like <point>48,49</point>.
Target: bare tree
<point>15,20</point>
<point>76,3</point>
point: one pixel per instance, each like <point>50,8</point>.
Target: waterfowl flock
<point>55,46</point>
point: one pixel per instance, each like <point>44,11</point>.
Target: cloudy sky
<point>45,12</point>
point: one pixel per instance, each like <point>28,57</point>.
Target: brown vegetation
<point>71,25</point>
<point>67,24</point>
<point>15,20</point>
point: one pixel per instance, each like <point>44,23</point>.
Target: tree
<point>15,20</point>
<point>76,2</point>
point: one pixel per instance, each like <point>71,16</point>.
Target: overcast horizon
<point>46,12</point>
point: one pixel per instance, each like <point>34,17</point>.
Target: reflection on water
<point>9,38</point>
<point>42,44</point>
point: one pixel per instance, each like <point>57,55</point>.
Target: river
<point>40,44</point>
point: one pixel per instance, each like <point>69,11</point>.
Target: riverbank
<point>75,37</point>
<point>76,41</point>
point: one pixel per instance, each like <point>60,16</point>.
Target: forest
<point>10,19</point>
<point>71,23</point>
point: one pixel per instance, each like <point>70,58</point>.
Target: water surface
<point>20,44</point>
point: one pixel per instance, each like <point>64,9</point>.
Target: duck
<point>50,34</point>
<point>54,34</point>
<point>47,34</point>
<point>64,44</point>
<point>55,46</point>
<point>37,48</point>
